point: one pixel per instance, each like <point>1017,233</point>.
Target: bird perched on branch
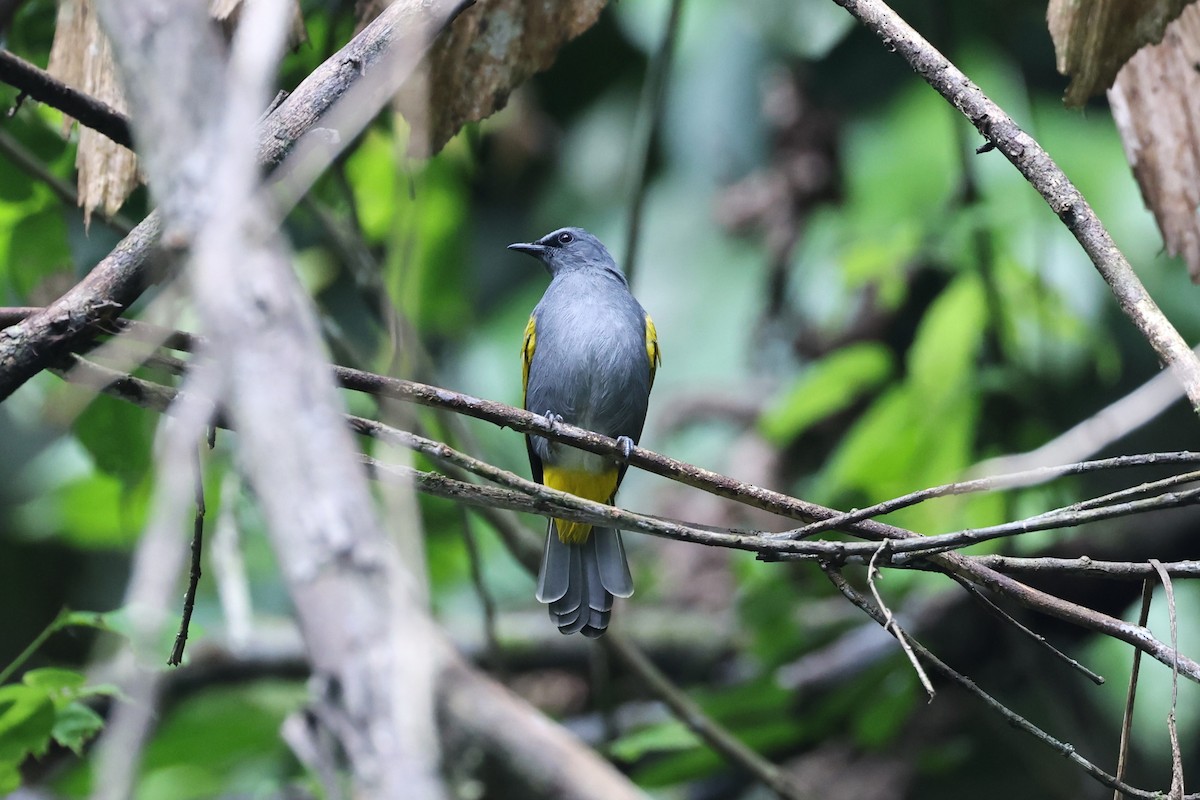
<point>589,357</point>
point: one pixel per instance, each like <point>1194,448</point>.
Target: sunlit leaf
<point>60,685</point>
<point>98,511</point>
<point>826,388</point>
<point>75,725</point>
<point>26,721</point>
<point>673,735</point>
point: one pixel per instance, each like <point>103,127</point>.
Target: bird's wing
<point>652,350</point>
<point>527,348</point>
<point>528,345</point>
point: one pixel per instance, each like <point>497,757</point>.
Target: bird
<point>589,356</point>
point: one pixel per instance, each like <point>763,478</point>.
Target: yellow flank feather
<point>598,486</point>
<point>652,350</point>
<point>527,348</point>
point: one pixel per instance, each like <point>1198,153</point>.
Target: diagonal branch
<point>122,276</point>
<point>490,499</point>
<point>552,503</point>
<point>1011,717</point>
<point>45,88</point>
<point>1045,176</point>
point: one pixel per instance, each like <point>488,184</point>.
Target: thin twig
<point>1045,176</point>
<point>66,192</point>
<point>999,612</point>
<point>1051,520</point>
<point>1084,567</point>
<point>891,626</point>
<point>1014,480</point>
<point>54,626</point>
<point>699,722</point>
<point>1011,717</point>
<point>189,595</point>
<point>1131,691</point>
<point>1149,487</point>
<point>654,93</point>
<point>1172,728</point>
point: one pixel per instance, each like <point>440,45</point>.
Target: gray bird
<point>589,357</point>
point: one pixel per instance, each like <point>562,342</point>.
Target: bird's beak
<point>532,248</point>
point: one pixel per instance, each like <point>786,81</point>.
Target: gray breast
<point>590,363</point>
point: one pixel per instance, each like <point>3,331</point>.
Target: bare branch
<point>1035,636</point>
<point>189,595</point>
<point>1045,176</point>
<point>891,626</point>
<point>491,498</point>
<point>1010,716</point>
<point>1172,728</point>
<point>691,714</point>
<point>965,567</point>
<point>45,88</point>
<point>1084,567</point>
<point>542,754</point>
<point>121,277</point>
<point>1011,480</point>
<point>1131,692</point>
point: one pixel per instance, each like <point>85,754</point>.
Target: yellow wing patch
<point>598,486</point>
<point>652,350</point>
<point>527,348</point>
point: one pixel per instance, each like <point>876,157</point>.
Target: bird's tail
<point>579,581</point>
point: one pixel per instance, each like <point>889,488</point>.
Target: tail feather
<point>578,580</point>
<point>610,558</point>
<point>554,578</point>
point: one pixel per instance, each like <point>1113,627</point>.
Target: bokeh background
<point>851,304</point>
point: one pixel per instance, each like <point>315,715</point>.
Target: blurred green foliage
<point>932,313</point>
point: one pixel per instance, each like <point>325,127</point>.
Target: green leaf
<point>26,722</point>
<point>119,437</point>
<point>38,250</point>
<point>98,511</point>
<point>666,737</point>
<point>10,777</point>
<point>890,707</point>
<point>60,685</point>
<point>685,765</point>
<point>878,449</point>
<point>75,725</point>
<point>427,271</point>
<point>179,782</point>
<point>941,362</point>
<point>111,621</point>
<point>826,388</point>
<point>371,172</point>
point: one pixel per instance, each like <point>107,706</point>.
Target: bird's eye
<point>565,238</point>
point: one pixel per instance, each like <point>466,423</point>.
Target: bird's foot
<point>552,419</point>
<point>626,444</point>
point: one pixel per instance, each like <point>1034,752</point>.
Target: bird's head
<point>569,248</point>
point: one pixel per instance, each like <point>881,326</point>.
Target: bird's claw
<point>553,419</point>
<point>626,444</point>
